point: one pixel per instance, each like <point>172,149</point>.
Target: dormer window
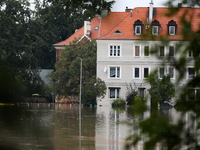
<point>155,27</point>
<point>138,27</point>
<point>155,30</point>
<point>171,30</point>
<point>117,32</point>
<point>138,30</point>
<point>172,27</point>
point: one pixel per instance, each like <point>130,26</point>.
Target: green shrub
<point>130,97</point>
<point>131,92</point>
<point>138,100</point>
<point>118,103</point>
<point>139,105</point>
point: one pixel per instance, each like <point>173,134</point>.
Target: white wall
<point>127,61</point>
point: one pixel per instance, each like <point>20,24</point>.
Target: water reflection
<point>110,133</point>
<point>56,127</point>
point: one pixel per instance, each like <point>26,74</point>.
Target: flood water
<point>56,127</point>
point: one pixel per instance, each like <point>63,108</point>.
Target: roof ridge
<point>77,30</point>
<point>114,26</point>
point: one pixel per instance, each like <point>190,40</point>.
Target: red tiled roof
<point>124,22</point>
<point>80,33</point>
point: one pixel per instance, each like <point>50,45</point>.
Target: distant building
<point>90,30</point>
<point>43,73</point>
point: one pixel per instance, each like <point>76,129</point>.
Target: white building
<point>124,44</point>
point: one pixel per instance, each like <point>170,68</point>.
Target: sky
<point>120,5</point>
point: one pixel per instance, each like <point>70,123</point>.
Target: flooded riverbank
<point>56,127</point>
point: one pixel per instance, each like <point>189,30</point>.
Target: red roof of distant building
<point>80,33</point>
<point>123,22</point>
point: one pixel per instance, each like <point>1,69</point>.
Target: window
<point>146,51</point>
<point>146,72</point>
<point>161,72</point>
<point>114,92</point>
<point>171,30</point>
<point>114,72</point>
<point>171,51</point>
<point>171,72</point>
<point>155,27</point>
<point>138,30</point>
<point>141,91</point>
<point>137,51</point>
<point>136,72</point>
<point>138,26</point>
<point>96,28</point>
<point>155,30</point>
<point>172,27</point>
<point>191,73</point>
<point>190,54</point>
<point>115,51</point>
<point>193,94</point>
<point>117,32</point>
<point>162,51</point>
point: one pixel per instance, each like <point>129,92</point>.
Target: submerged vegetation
<point>118,103</point>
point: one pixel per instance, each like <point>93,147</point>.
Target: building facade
<point>125,44</point>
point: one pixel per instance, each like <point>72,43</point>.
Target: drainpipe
<point>99,26</point>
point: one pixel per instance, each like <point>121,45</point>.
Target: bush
<point>130,97</point>
<point>138,100</point>
<point>139,105</point>
<point>131,93</point>
<point>118,103</point>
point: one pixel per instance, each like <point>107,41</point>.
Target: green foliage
<point>19,75</point>
<point>118,103</point>
<point>158,128</point>
<point>131,93</point>
<point>139,105</point>
<point>67,74</point>
<point>27,36</point>
<point>161,89</point>
<point>55,21</point>
<point>92,89</point>
<point>10,87</point>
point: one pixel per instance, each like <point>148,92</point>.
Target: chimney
<point>87,28</point>
<point>104,13</point>
<point>150,11</point>
<point>128,9</point>
<point>179,5</point>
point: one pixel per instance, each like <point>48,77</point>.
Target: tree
<point>17,61</point>
<point>161,90</point>
<point>158,128</point>
<point>55,21</point>
<point>67,74</point>
<point>131,93</point>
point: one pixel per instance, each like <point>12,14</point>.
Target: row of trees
<point>27,37</point>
